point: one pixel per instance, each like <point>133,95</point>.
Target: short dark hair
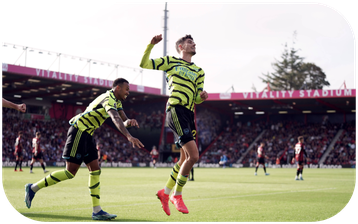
<point>119,81</point>
<point>38,133</point>
<point>300,138</point>
<point>181,41</point>
<point>20,132</point>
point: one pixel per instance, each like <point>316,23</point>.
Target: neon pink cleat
<point>179,204</point>
<point>164,199</point>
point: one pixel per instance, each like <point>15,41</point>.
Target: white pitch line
<point>201,199</point>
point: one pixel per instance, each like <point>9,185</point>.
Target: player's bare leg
<point>32,164</point>
<point>192,155</point>
<point>163,194</point>
<point>257,166</point>
<point>43,165</point>
<point>18,162</point>
<point>301,170</point>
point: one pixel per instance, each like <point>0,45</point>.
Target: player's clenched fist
<point>156,39</point>
<point>203,95</point>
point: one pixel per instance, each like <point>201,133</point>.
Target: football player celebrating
<point>186,83</point>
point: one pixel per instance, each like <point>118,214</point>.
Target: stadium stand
<point>226,122</point>
<point>344,151</point>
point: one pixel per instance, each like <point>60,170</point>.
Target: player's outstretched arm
<point>145,62</point>
<point>19,107</point>
<point>118,122</point>
<point>128,122</point>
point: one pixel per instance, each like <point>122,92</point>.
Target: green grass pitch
<point>216,195</point>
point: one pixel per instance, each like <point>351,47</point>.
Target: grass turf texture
<point>216,195</point>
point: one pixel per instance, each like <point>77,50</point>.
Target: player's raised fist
<point>156,39</point>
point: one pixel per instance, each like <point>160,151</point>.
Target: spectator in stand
<point>344,152</point>
<point>223,160</point>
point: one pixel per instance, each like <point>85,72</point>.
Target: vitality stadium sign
<point>294,94</point>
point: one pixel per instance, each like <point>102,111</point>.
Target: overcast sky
<point>236,43</point>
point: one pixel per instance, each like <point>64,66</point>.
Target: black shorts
<point>181,121</point>
<point>261,160</point>
<point>39,155</point>
<point>18,154</point>
<point>300,162</point>
<point>80,147</point>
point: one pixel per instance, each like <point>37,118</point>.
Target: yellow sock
<point>54,178</point>
<point>94,187</point>
<point>172,178</point>
<point>181,181</point>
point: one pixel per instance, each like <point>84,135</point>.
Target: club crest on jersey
<point>186,131</point>
<point>78,156</point>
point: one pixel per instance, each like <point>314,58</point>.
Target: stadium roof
<point>28,84</point>
<point>31,85</point>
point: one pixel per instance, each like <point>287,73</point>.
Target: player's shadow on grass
<point>59,218</point>
<point>52,217</point>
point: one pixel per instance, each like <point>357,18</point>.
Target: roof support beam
<point>330,105</point>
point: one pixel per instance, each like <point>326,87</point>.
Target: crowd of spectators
<point>148,116</point>
<point>208,125</point>
<point>53,138</point>
<point>344,151</point>
<point>53,135</point>
<point>234,141</point>
<point>281,138</point>
<point>117,148</point>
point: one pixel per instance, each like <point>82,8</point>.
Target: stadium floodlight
<point>239,113</point>
<point>331,111</point>
<point>79,103</point>
<point>260,112</point>
<point>306,111</point>
<point>250,108</point>
<point>39,98</point>
<point>17,96</point>
<point>59,101</point>
<point>353,111</point>
<point>282,112</point>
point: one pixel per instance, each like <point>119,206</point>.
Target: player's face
<point>122,91</point>
<point>189,46</point>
